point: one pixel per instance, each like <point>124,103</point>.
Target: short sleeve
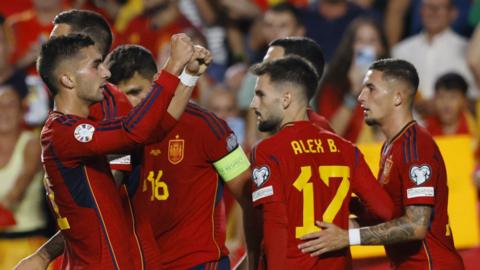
<point>420,176</point>
<point>266,185</point>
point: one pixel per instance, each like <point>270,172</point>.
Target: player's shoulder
<point>200,120</point>
<point>58,124</point>
<point>414,143</point>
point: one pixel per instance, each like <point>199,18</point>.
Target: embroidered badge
<point>387,168</point>
<point>84,133</point>
<point>260,175</point>
<point>420,174</point>
<point>175,150</point>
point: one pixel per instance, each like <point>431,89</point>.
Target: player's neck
<point>294,115</point>
<point>392,126</point>
<point>71,105</point>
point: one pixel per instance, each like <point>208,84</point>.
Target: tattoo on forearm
<point>398,230</point>
<point>54,247</point>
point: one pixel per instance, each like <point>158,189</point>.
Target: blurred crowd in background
<point>440,37</point>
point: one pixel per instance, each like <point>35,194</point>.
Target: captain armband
<point>232,165</point>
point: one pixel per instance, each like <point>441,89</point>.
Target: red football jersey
<point>99,234</point>
<point>319,120</point>
<point>114,104</point>
<point>184,190</point>
<point>312,173</point>
<point>413,173</point>
<point>27,31</point>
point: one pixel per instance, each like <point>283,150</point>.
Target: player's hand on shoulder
<point>32,262</point>
<point>200,60</point>
<point>181,51</point>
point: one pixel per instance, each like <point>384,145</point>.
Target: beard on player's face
<point>269,125</point>
<point>372,122</point>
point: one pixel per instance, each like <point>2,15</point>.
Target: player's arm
<point>275,234</point>
<point>411,226</point>
<point>376,200</point>
<point>195,68</point>
<point>44,255</point>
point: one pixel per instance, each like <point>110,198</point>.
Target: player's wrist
<point>188,79</point>
<point>354,237</point>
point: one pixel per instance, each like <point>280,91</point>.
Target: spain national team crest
<point>175,150</point>
<point>387,167</point>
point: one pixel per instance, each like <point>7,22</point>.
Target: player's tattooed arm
<point>53,247</point>
<point>411,226</point>
<point>44,255</point>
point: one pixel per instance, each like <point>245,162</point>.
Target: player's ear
<point>66,80</point>
<point>398,98</point>
<point>286,99</point>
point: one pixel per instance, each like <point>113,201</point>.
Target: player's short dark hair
<point>125,60</point>
<point>303,47</point>
<point>451,81</point>
<point>89,23</point>
<point>289,8</point>
<point>400,70</point>
<point>291,69</point>
<point>54,51</point>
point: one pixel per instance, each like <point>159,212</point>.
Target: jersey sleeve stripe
<point>415,148</point>
<point>202,116</point>
<point>112,98</point>
<point>138,113</point>
<point>108,109</point>
<point>214,118</point>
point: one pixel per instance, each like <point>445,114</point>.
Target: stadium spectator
<point>363,42</point>
<point>426,51</point>
<point>21,189</point>
<point>451,115</point>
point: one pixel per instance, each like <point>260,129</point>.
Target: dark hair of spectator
<point>18,82</point>
<point>337,72</point>
<point>125,60</point>
<point>451,81</point>
<point>56,50</point>
<point>290,69</point>
<point>89,23</point>
<point>287,7</point>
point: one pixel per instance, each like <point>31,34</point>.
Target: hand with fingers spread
<point>181,51</point>
<point>200,60</point>
<point>330,238</point>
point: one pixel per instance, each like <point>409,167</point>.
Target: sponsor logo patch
<point>420,174</point>
<point>260,175</point>
<point>84,133</point>
<point>262,193</point>
<point>420,192</point>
